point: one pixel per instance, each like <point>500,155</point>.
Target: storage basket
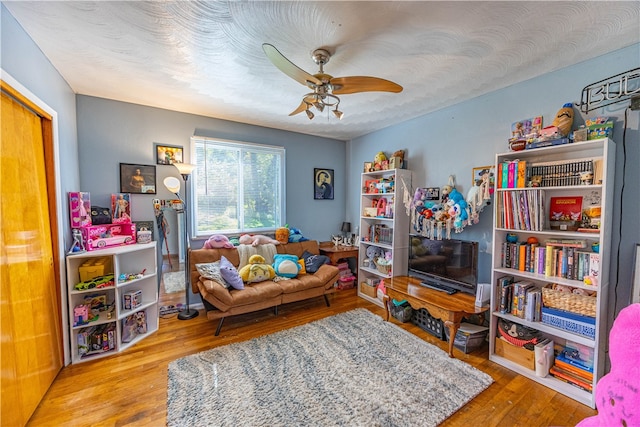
<point>424,320</point>
<point>574,303</point>
<point>384,269</point>
<point>368,290</point>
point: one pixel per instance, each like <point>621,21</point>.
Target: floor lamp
<point>173,185</point>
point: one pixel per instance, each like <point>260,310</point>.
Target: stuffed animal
<point>295,235</point>
<point>217,241</point>
<point>380,157</point>
<point>373,252</point>
<point>564,119</point>
<point>257,270</point>
<point>256,239</point>
<point>286,265</point>
<point>617,393</point>
<point>282,234</point>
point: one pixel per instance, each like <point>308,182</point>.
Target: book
<point>565,213</point>
<point>521,174</point>
<point>571,379</point>
<point>511,174</point>
<point>505,288</point>
<point>576,370</point>
<point>569,243</point>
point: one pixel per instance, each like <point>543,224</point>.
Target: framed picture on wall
<point>323,184</point>
<point>168,154</point>
<point>137,179</point>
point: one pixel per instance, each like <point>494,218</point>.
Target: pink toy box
<point>121,208</point>
<point>108,235</point>
<point>79,209</point>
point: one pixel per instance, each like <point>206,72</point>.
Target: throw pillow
<point>211,271</point>
<point>313,262</point>
<point>230,274</point>
<point>286,265</point>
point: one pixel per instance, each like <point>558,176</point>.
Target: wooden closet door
<point>31,327</point>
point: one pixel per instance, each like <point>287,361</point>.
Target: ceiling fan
<point>325,87</point>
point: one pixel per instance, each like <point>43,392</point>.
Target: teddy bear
<point>257,270</point>
<point>217,241</point>
<point>256,239</point>
<point>617,394</point>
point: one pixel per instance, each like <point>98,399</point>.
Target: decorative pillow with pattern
<point>313,262</point>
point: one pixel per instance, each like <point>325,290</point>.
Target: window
<point>239,187</point>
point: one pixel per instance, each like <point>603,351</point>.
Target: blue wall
<point>112,132</point>
<point>454,140</point>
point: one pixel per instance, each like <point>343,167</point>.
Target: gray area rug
<point>173,282</point>
<point>351,369</point>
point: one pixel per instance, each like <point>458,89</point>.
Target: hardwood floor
<point>130,388</point>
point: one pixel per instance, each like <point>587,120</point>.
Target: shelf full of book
<point>551,252</point>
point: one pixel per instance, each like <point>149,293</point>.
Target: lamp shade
<point>346,227</point>
<point>184,168</point>
<point>172,183</point>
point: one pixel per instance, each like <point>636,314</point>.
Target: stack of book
<point>573,370</point>
<point>521,299</point>
<point>521,210</point>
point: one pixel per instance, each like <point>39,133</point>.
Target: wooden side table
<point>336,253</point>
<point>449,308</point>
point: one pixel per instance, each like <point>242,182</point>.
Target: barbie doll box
<point>79,209</point>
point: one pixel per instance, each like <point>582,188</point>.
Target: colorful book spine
<point>511,174</point>
<point>548,261</point>
<point>521,174</point>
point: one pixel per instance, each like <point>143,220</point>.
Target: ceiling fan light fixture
<point>338,113</point>
<point>309,114</point>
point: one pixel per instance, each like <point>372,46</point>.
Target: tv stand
<point>449,308</point>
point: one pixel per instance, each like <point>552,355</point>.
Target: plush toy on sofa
<point>217,241</point>
<point>286,265</point>
<point>256,239</point>
<point>617,393</point>
<point>257,270</point>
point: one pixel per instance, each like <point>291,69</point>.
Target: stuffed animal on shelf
<point>564,119</point>
<point>256,239</point>
<point>257,270</point>
<point>217,241</point>
<point>286,265</point>
<point>282,234</point>
<point>617,393</point>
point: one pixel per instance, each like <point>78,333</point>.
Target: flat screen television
<point>449,263</point>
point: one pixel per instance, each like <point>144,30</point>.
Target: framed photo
<point>323,184</point>
<point>478,174</point>
<point>168,154</point>
<point>137,179</point>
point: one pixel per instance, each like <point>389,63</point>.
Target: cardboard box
<point>469,337</point>
<point>519,355</point>
<point>108,235</point>
<point>131,299</point>
<point>368,290</point>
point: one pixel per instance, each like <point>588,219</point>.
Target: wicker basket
<point>382,268</point>
<point>579,304</point>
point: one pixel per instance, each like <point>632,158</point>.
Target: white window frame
<point>241,146</point>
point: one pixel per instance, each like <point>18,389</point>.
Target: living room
<point>449,141</point>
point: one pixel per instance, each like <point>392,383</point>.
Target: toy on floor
<point>618,393</point>
<point>257,239</point>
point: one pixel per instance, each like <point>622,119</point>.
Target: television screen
<point>449,263</point>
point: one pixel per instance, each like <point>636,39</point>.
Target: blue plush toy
<point>295,235</point>
<point>458,199</point>
<point>286,265</point>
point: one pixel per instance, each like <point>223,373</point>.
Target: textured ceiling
<point>206,58</point>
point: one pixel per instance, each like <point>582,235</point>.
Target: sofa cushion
<point>211,285</point>
<point>211,270</point>
<point>230,274</point>
<point>313,262</point>
<point>300,283</point>
<point>251,294</point>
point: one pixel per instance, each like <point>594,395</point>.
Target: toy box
<point>131,299</point>
<point>346,282</point>
<point>468,337</point>
<point>120,208</point>
<point>94,267</point>
<point>129,328</point>
<point>79,209</point>
<point>108,235</point>
<point>519,355</point>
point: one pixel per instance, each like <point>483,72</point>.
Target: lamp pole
<point>185,170</point>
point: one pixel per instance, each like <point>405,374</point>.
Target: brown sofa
<point>220,302</point>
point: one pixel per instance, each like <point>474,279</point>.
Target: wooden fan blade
<point>299,110</point>
<point>355,84</point>
<point>288,67</point>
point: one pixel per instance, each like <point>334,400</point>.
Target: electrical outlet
<point>635,103</point>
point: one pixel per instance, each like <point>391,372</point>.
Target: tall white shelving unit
<point>391,216</point>
<point>602,151</point>
<point>128,259</point>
